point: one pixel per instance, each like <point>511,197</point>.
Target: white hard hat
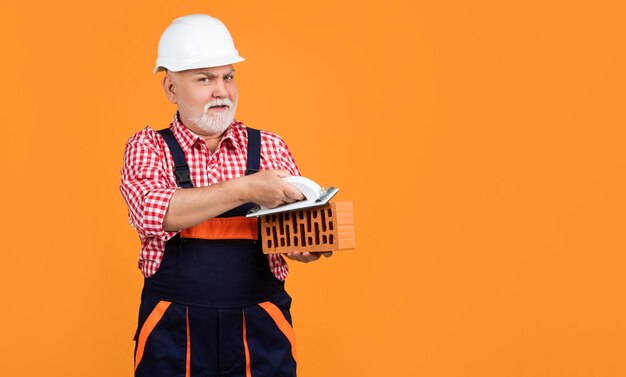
<point>195,41</point>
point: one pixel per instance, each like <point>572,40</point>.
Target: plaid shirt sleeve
<point>276,154</point>
<point>147,185</point>
<point>287,160</point>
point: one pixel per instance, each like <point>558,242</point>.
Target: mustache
<point>218,102</point>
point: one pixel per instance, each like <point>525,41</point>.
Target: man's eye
<point>229,77</point>
<point>204,79</point>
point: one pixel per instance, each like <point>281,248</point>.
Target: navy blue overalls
<point>214,308</point>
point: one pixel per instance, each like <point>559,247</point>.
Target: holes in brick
<point>323,213</point>
<point>332,240</point>
<point>287,233</point>
<point>324,239</point>
<point>275,236</point>
<point>308,221</point>
<point>303,238</point>
<point>330,225</point>
<point>281,225</point>
<point>267,231</point>
<point>269,244</point>
<point>317,233</point>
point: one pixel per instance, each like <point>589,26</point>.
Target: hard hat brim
<point>177,66</point>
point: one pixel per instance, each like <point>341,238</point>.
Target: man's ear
<point>169,86</point>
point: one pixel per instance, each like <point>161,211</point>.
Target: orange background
<point>480,141</point>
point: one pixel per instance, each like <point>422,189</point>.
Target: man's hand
<point>306,257</point>
<point>267,189</point>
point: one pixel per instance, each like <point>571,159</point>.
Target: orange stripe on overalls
<point>245,347</point>
<point>282,324</point>
<point>224,228</point>
<point>149,325</point>
<point>188,356</point>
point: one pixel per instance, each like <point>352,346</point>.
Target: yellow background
<point>480,141</point>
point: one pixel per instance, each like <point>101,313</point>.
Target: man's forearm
<point>191,206</point>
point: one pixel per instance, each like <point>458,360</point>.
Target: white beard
<point>215,123</point>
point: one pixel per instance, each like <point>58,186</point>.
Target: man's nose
<point>219,90</point>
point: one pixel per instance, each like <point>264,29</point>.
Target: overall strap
<point>254,151</point>
<point>181,169</point>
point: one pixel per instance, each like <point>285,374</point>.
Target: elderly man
<point>212,303</point>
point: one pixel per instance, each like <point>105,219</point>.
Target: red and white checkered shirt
<point>148,180</point>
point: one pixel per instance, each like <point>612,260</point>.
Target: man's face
<point>206,97</point>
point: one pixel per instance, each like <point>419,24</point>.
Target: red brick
<point>326,228</point>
